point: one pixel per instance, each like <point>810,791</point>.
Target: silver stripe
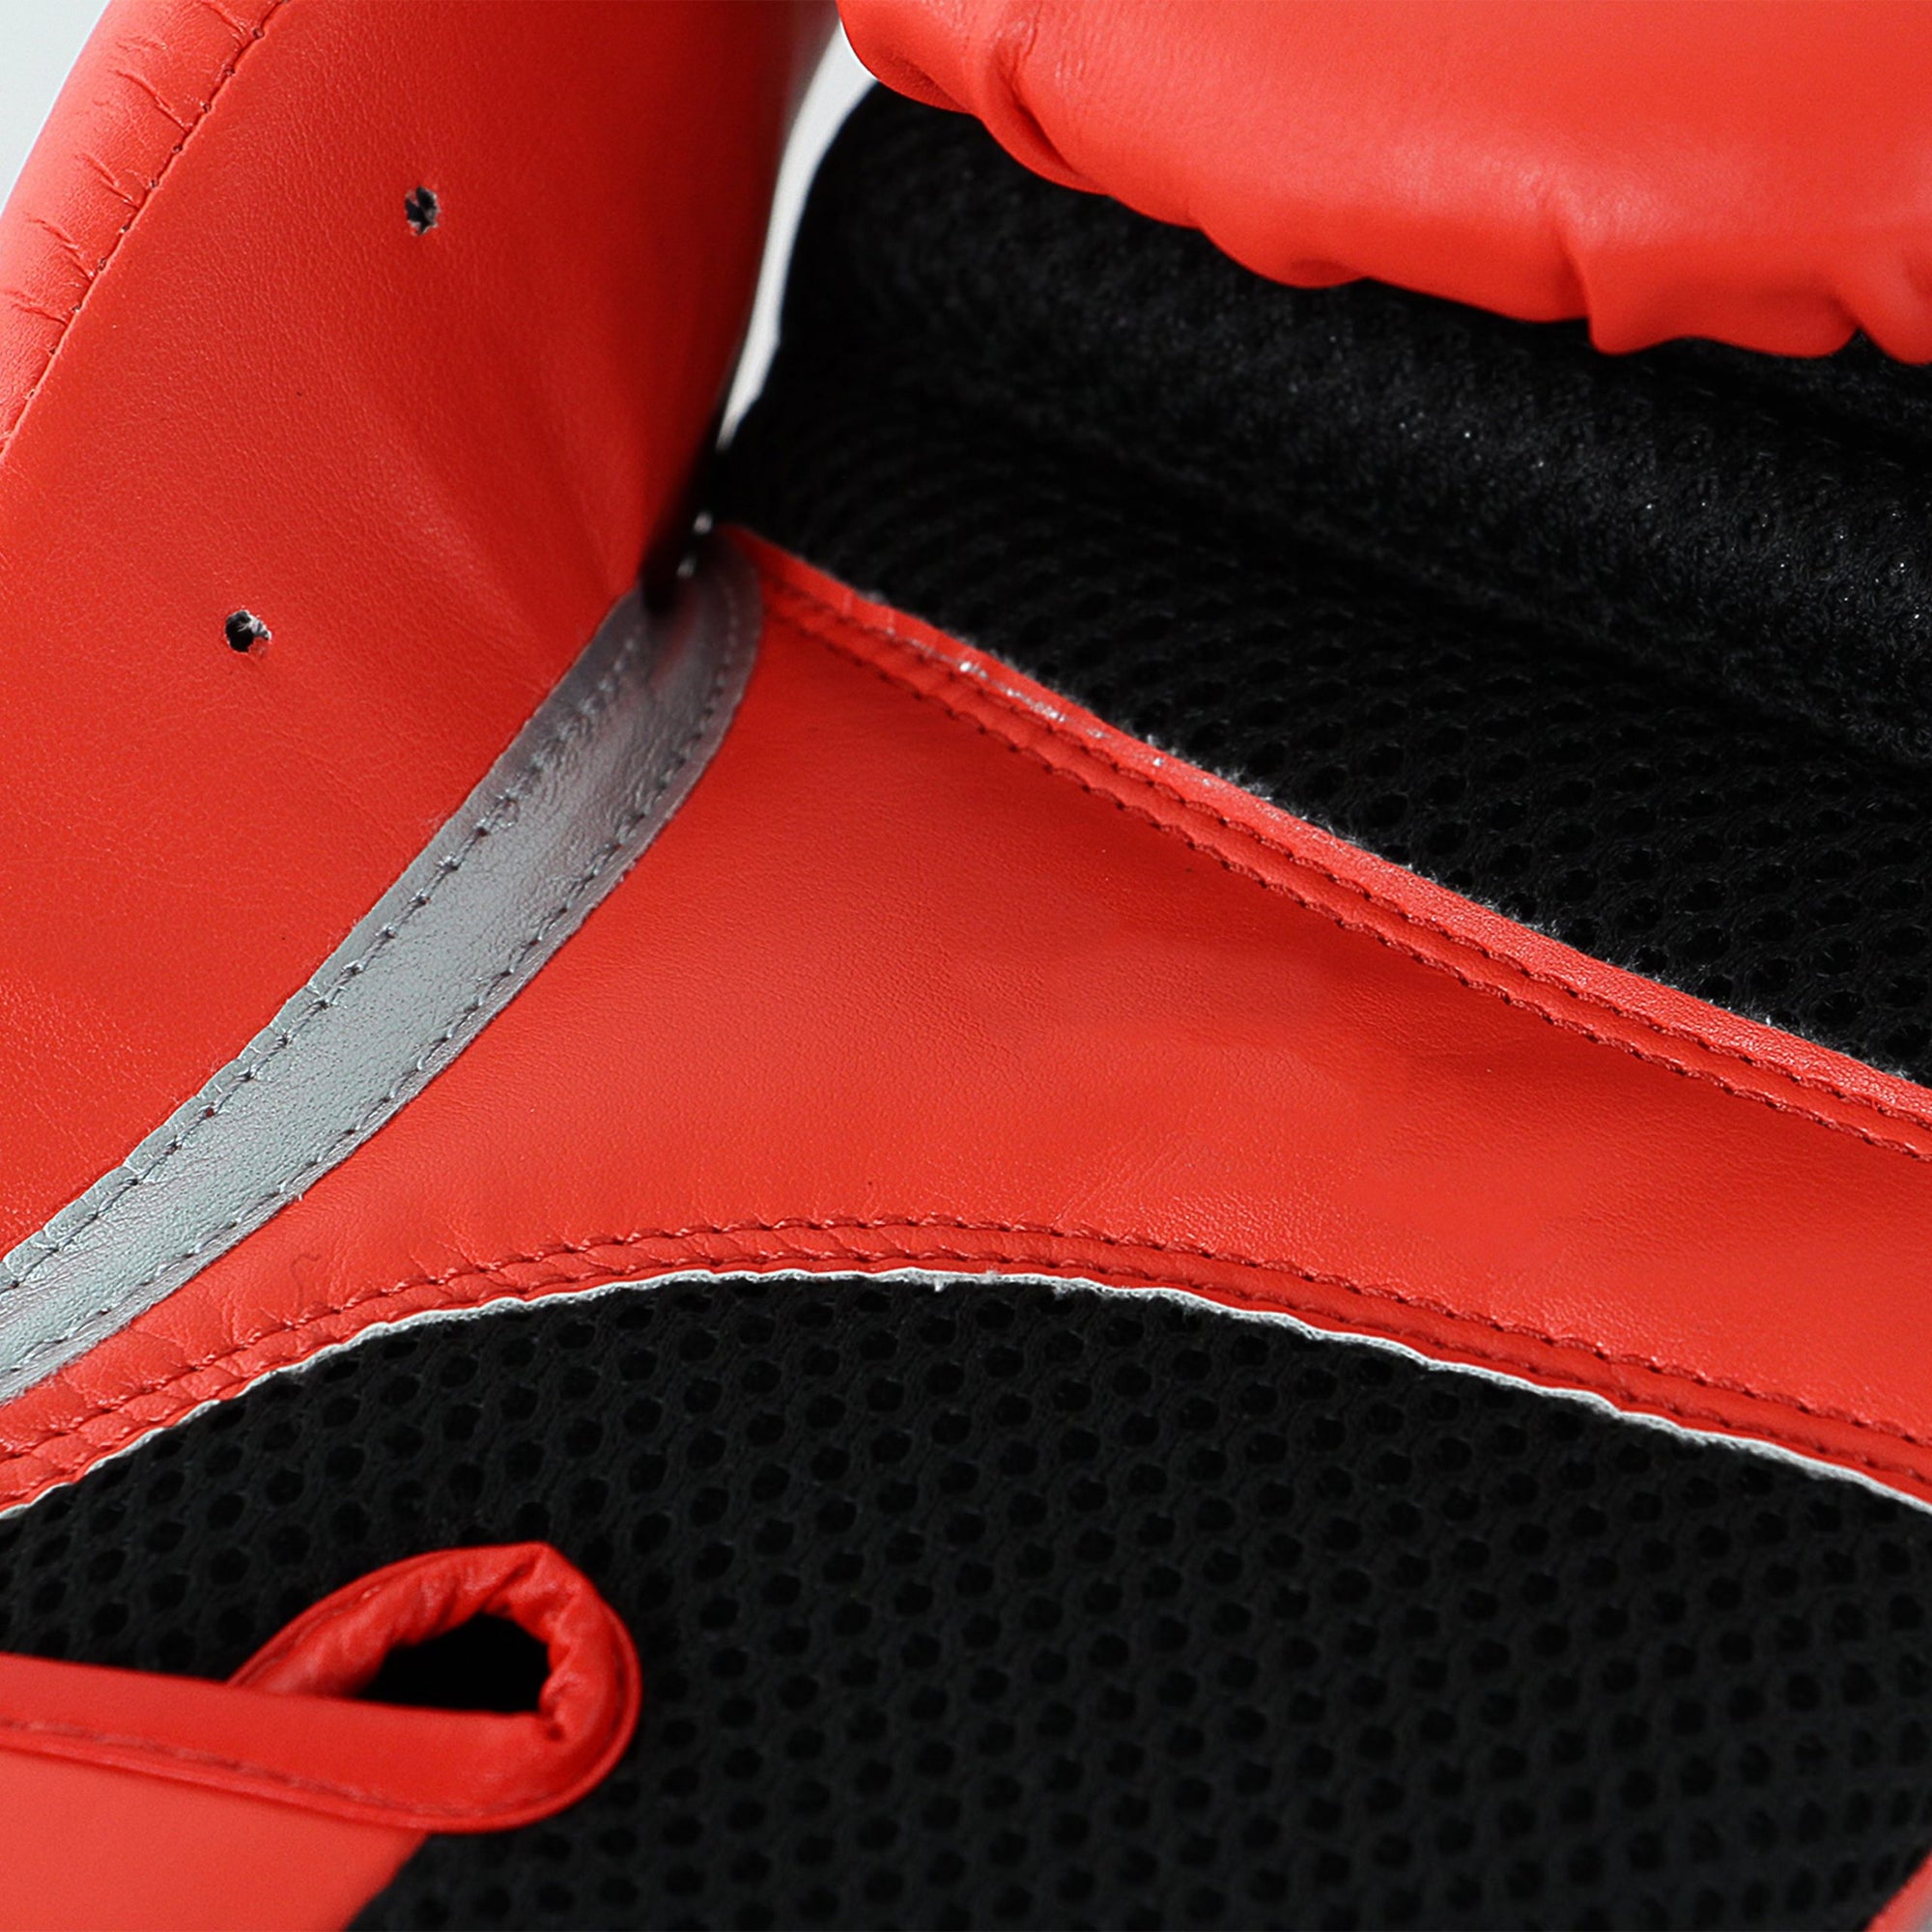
<point>598,770</point>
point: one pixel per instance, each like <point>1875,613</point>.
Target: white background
<point>40,39</point>
<point>834,88</point>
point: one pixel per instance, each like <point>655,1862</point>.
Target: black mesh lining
<point>1607,643</point>
<point>1008,1605</point>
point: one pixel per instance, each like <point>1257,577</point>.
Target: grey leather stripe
<point>590,779</point>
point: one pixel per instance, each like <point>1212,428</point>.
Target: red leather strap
<point>303,1801</point>
<point>94,1849</point>
<point>286,1727</point>
<point>1752,170</point>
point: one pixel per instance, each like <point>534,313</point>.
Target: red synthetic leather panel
<point>94,1850</point>
<point>232,376</point>
<point>1912,1904</point>
<point>933,970</point>
<point>1754,170</point>
<point>1911,1907</point>
<point>129,1799</point>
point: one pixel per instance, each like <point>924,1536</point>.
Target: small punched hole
<point>423,208</point>
<point>246,630</point>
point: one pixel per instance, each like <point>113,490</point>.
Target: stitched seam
<point>223,76</point>
<point>387,1800</point>
<point>226,1359</point>
<point>1475,983</point>
<point>331,993</point>
<point>301,1324</point>
<point>1194,808</point>
<point>568,728</point>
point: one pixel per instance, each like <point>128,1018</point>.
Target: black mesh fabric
<point>1630,649</point>
<point>1754,523</point>
<point>1005,1605</point>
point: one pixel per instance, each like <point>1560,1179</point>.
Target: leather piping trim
<point>498,1289</point>
<point>1350,892</point>
<point>1327,1305</point>
<point>590,779</point>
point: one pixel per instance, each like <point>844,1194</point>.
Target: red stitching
<point>385,1800</point>
<point>1917,1117</point>
<point>222,77</point>
<point>1368,894</point>
<point>483,1272</point>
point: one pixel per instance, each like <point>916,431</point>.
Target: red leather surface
<point>932,970</point>
<point>128,1799</point>
<point>232,375</point>
<point>1911,1906</point>
<point>94,1850</point>
<point>465,1770</point>
<point>1753,170</point>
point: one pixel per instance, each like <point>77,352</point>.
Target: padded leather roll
<point>1753,171</point>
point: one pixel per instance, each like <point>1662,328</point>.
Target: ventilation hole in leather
<point>422,209</point>
<point>1007,1607</point>
<point>487,1663</point>
<point>244,630</point>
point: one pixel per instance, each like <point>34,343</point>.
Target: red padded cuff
<point>1750,170</point>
